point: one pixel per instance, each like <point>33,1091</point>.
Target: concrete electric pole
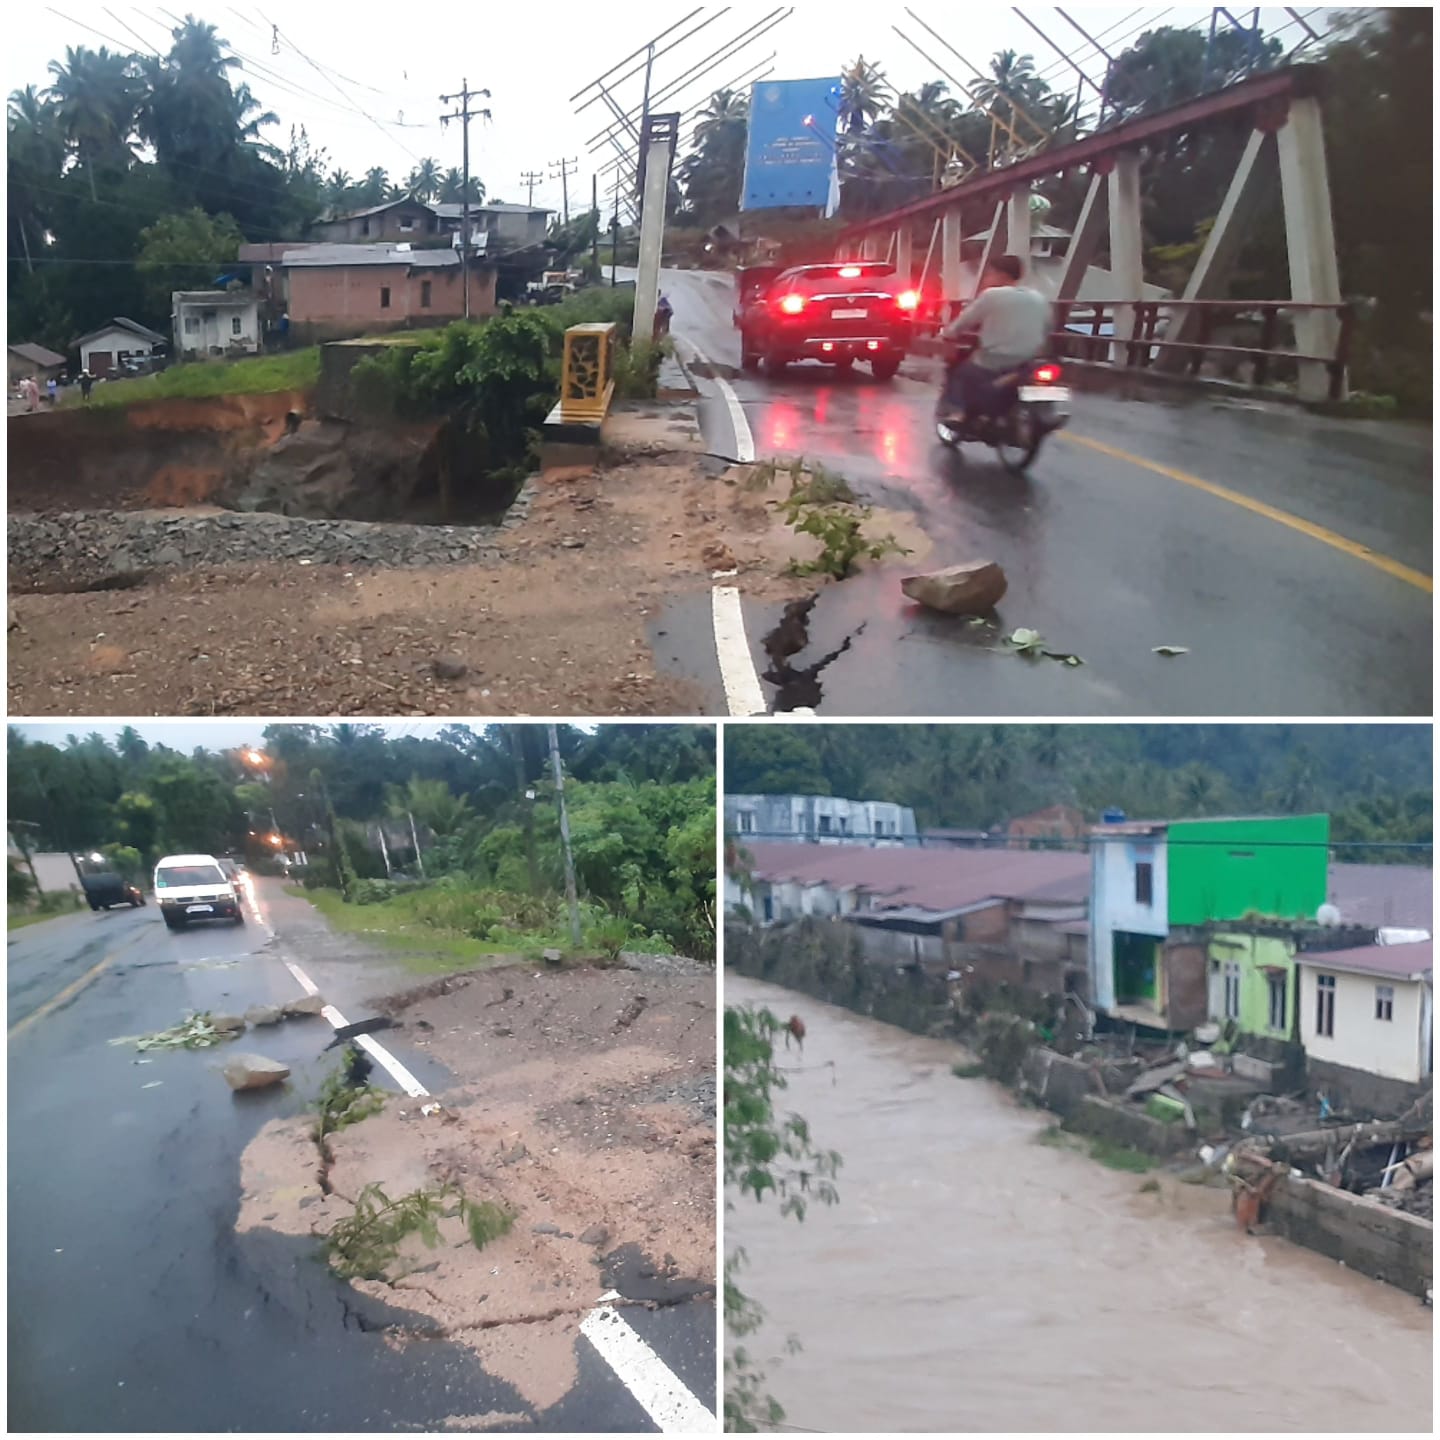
<point>562,170</point>
<point>570,896</point>
<point>530,179</point>
<point>657,150</point>
<point>464,115</point>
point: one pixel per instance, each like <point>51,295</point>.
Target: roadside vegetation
<point>447,847</point>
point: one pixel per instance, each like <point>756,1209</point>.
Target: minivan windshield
<point>179,877</point>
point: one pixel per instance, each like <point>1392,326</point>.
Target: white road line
<point>743,695</point>
<point>744,440</point>
<point>659,1391</point>
<point>372,1047</point>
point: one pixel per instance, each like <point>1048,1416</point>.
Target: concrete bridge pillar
<point>1126,256</point>
<point>1018,225</point>
<point>873,246</point>
<point>1310,240</point>
<point>951,235</point>
<point>904,256</point>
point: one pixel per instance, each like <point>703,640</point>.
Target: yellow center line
<point>56,1001</point>
<point>1417,578</point>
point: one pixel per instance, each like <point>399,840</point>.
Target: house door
<point>1136,968</point>
<point>101,362</point>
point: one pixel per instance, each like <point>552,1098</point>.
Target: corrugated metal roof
<point>454,209</point>
<point>36,354</point>
<point>1376,895</point>
<point>934,880</point>
<point>1398,962</point>
<point>314,255</point>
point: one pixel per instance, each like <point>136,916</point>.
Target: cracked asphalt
<point>133,1303</point>
<point>1118,541</point>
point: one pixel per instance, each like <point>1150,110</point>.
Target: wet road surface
<point>972,1279</point>
<point>134,1305</point>
<point>1106,556</point>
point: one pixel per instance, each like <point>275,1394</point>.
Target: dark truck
<point>104,888</point>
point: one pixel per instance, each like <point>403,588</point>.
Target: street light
<point>254,757</point>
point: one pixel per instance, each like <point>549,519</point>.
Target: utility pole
<point>463,115</point>
<point>415,841</point>
<point>563,170</point>
<point>570,895</point>
<point>595,238</point>
<point>530,179</point>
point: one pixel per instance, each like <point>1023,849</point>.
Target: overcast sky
<point>365,79</point>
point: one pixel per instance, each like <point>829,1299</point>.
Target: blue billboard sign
<point>790,156</point>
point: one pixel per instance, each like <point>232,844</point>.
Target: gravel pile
<point>94,550</point>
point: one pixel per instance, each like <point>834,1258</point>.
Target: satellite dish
<point>1328,915</point>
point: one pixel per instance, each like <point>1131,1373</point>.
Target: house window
<point>364,227</point>
<point>1384,1002</point>
<point>384,297</point>
<point>768,908</point>
<point>747,822</point>
<point>1144,883</point>
<point>879,827</point>
<point>1232,989</point>
<point>824,824</point>
<point>1277,1002</point>
<point>844,825</point>
<point>1325,1006</point>
<point>192,324</point>
<point>236,328</point>
<point>407,223</point>
<point>424,294</point>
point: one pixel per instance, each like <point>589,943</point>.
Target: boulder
<point>253,1072</point>
<point>974,588</point>
<point>305,1005</point>
<point>263,1015</point>
<point>227,1024</point>
<point>595,1235</point>
<point>551,957</point>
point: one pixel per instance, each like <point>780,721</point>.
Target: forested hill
<point>1374,780</point>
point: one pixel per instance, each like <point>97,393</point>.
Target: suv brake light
<point>792,304</point>
<point>1046,374</point>
<point>907,300</point>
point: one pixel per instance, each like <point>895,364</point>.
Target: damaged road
<point>147,1293</point>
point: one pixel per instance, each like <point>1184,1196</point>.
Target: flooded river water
<point>973,1279</point>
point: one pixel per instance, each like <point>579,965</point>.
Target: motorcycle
<point>1028,404</point>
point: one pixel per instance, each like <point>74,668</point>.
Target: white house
<point>1129,919</point>
<point>215,324</point>
<point>117,340</point>
<point>1369,1009</point>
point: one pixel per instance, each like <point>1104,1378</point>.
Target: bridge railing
<point>1149,345</point>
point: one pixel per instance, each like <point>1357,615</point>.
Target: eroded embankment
<point>582,1103</point>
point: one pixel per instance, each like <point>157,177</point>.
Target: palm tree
<point>395,191</point>
<point>338,185</point>
<point>723,111</point>
<point>374,186</point>
<point>862,94</point>
<point>452,188</point>
<point>424,180</point>
<point>35,154</point>
<point>1013,87</point>
<point>96,95</point>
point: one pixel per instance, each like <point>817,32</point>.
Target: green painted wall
<point>1254,952</point>
<point>1227,869</point>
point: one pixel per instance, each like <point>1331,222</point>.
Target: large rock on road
<point>971,589</point>
<point>253,1072</point>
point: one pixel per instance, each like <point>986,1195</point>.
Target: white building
<point>820,819</point>
<point>215,324</point>
<point>1369,1009</point>
<point>1129,920</point>
<point>103,351</point>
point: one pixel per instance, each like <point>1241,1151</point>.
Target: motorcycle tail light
<point>1046,374</point>
<point>792,304</point>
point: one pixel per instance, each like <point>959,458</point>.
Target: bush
<point>19,887</point>
<point>637,369</point>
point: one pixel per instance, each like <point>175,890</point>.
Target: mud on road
<point>584,1103</point>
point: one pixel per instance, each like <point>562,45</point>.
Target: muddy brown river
<point>973,1279</point>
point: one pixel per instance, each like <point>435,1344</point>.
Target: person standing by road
<point>52,391</point>
<point>87,383</point>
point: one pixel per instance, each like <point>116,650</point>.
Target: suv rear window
<point>814,279</point>
<point>179,877</point>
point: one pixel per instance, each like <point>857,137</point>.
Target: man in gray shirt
<point>1014,322</point>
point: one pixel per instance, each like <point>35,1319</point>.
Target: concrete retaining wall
<point>1360,1093</point>
<point>1127,1124</point>
<point>1367,1236</point>
<point>1058,1082</point>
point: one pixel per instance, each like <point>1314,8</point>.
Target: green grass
<point>19,919</point>
<point>263,375</point>
<point>1121,1157</point>
<point>971,1071</point>
<point>419,948</point>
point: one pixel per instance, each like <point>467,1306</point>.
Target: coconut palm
<point>96,94</point>
<point>424,180</point>
<point>372,188</point>
<point>863,89</point>
<point>452,188</point>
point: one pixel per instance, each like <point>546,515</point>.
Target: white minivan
<point>194,887</point>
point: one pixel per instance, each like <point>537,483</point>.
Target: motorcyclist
<point>1014,323</point>
<point>663,313</point>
